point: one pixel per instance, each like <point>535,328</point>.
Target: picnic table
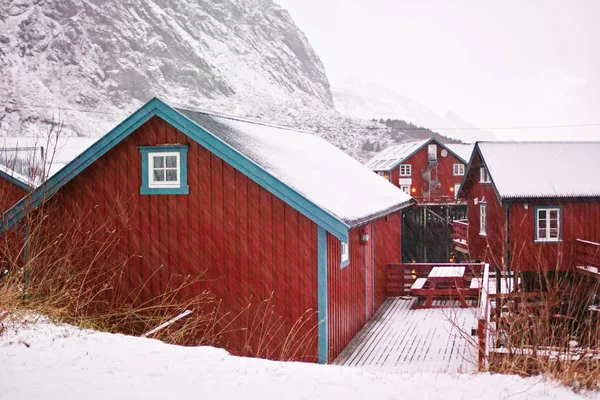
<point>442,281</point>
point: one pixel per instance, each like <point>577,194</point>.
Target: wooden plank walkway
<point>400,339</point>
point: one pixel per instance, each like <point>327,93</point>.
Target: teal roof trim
<point>318,215</point>
<point>15,181</point>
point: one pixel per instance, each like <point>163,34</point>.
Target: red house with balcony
<point>530,205</point>
<point>250,207</point>
<point>429,170</point>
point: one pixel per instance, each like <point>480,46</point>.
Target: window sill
<point>179,190</point>
<point>547,241</point>
<point>486,182</point>
<point>483,234</point>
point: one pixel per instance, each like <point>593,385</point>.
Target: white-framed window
<point>344,254</point>
<point>482,219</point>
<point>458,169</point>
<point>163,170</point>
<point>547,224</point>
<point>456,189</point>
<point>484,177</point>
<point>405,170</point>
<point>432,152</point>
<point>405,188</point>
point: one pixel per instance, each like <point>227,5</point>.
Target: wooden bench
<point>419,284</point>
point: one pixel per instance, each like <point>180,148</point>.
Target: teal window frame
<point>344,263</point>
<point>145,152</point>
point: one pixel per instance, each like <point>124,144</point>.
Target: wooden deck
<point>401,339</point>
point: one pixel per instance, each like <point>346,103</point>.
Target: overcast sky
<point>494,63</point>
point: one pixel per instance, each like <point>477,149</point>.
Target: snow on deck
<point>400,339</point>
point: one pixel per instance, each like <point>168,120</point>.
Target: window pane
<point>542,214</point>
<point>553,224</point>
<point>159,161</point>
<point>554,214</point>
<point>159,175</point>
<point>171,161</point>
<point>542,233</point>
<point>171,175</point>
<point>553,233</point>
<point>542,223</point>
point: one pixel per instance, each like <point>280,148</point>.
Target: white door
<point>456,187</point>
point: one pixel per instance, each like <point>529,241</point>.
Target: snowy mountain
<point>92,62</point>
<point>362,99</point>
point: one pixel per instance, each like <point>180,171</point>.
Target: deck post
<point>482,341</point>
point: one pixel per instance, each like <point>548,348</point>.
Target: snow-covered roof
<point>310,165</point>
<point>463,151</point>
<point>543,169</point>
<point>18,179</point>
<point>391,156</point>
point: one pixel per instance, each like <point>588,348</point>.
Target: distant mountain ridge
<point>362,99</point>
<point>90,63</point>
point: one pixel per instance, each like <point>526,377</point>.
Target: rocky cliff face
<point>239,56</point>
<point>90,63</point>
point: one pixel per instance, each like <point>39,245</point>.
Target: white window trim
<point>484,176</point>
<point>456,189</point>
<point>344,252</point>
<point>432,155</point>
<point>537,223</point>
<point>163,184</point>
<point>407,187</point>
<point>458,169</point>
<point>483,219</point>
<point>407,167</point>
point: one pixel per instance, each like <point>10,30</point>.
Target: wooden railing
<point>400,277</point>
<point>460,235</point>
<point>439,200</point>
<point>587,253</point>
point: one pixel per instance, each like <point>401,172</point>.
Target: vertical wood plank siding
<point>347,301</point>
<point>445,172</point>
<point>250,243</point>
<point>9,194</point>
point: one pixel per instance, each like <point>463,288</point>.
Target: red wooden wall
<point>419,162</point>
<point>251,244</point>
<point>9,194</point>
<point>387,250</point>
<point>347,298</point>
<point>491,247</point>
<point>580,220</point>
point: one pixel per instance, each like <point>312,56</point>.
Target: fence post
<point>482,341</point>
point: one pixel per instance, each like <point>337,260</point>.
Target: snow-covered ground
<point>47,361</point>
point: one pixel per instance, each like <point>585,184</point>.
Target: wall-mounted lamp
<point>364,238</point>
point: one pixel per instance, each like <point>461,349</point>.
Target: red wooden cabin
<point>264,210</point>
<point>13,187</point>
<point>428,170</point>
<point>528,203</point>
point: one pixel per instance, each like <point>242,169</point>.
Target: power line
<point>402,129</point>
